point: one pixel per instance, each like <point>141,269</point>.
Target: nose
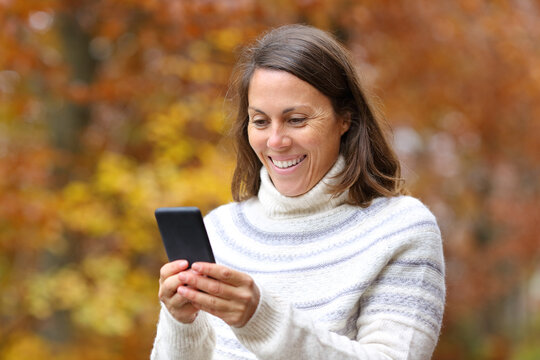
<point>278,138</point>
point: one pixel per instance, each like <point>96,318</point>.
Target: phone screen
<point>183,234</point>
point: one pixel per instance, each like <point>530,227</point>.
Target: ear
<point>345,122</point>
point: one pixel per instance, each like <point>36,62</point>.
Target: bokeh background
<point>111,108</point>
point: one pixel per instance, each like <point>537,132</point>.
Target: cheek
<point>325,139</point>
<point>254,140</point>
<point>250,136</point>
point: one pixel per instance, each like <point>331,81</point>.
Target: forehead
<point>279,87</point>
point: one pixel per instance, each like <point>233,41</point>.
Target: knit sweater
<point>337,281</point>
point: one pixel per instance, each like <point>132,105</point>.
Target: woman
<point>322,256</point>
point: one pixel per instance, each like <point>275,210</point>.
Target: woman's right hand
<point>169,282</point>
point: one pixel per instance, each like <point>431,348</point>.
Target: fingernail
<point>182,276</point>
<point>196,267</point>
<point>181,290</point>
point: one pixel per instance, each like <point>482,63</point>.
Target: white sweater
<point>337,281</point>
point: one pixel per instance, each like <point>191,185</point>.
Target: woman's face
<point>293,129</point>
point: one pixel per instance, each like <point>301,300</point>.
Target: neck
<point>318,199</point>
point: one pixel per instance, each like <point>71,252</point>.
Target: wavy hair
<point>372,168</point>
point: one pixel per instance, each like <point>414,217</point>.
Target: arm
<point>175,340</point>
<point>183,332</point>
<point>399,314</point>
<point>278,331</point>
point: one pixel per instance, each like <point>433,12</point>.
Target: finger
<point>208,285</point>
<point>181,309</point>
<point>172,268</point>
<point>222,273</point>
<point>206,302</point>
<point>168,287</point>
<point>233,313</point>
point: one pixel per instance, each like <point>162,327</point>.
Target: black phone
<point>183,234</point>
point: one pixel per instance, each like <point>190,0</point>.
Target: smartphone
<point>183,234</point>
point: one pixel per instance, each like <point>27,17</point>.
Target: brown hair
<point>371,166</point>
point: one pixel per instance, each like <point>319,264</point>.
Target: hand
<point>230,295</point>
<point>179,307</point>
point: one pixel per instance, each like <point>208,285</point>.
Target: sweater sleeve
<point>278,331</point>
<point>395,320</point>
<point>175,340</point>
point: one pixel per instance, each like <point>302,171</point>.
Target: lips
<point>285,164</point>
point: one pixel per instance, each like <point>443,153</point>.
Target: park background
<point>109,109</point>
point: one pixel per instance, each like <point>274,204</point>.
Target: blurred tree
<point>110,109</point>
<point>459,82</point>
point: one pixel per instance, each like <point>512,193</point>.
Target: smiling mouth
<point>289,163</point>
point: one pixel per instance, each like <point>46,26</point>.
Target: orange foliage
<point>109,109</point>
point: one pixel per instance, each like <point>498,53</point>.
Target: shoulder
<point>406,210</point>
<point>405,222</point>
<point>226,214</point>
<point>221,212</point>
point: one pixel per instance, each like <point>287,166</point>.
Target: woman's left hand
<point>230,295</point>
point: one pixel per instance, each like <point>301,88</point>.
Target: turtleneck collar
<point>316,200</point>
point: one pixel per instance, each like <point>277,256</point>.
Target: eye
<point>297,120</point>
<point>259,122</point>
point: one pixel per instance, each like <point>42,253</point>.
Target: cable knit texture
<point>337,281</point>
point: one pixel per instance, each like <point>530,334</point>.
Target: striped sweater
<point>337,281</point>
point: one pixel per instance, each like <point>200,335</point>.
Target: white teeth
<point>286,164</point>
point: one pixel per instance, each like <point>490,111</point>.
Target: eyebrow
<point>283,112</point>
